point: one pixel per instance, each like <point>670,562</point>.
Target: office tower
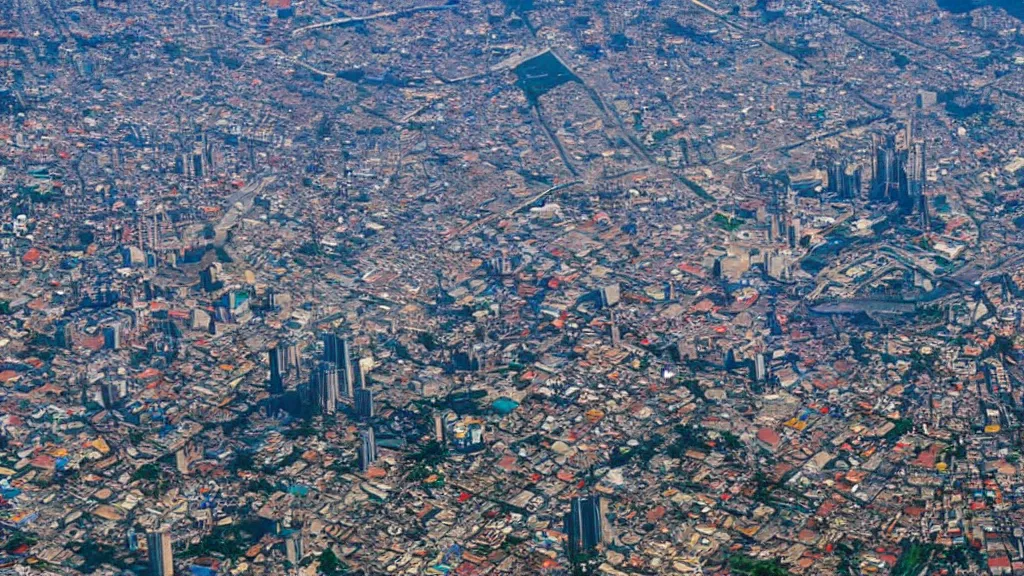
<point>795,233</point>
<point>209,278</point>
<point>278,366</point>
<point>293,546</point>
<point>273,300</point>
<point>364,403</point>
<point>834,170</point>
<point>360,369</point>
<point>337,351</point>
<point>438,428</point>
<point>922,205</point>
<point>161,558</point>
<point>293,359</point>
<point>610,295</point>
<point>132,540</point>
<point>367,449</point>
<point>916,176</point>
<point>844,180</point>
<point>347,368</point>
<point>760,371</point>
<point>110,395</point>
<point>332,347</point>
<point>899,171</point>
<point>885,169</point>
<point>112,337</point>
<point>778,266</point>
<point>64,335</point>
<point>181,460</point>
<point>500,265</point>
<point>324,387</point>
<point>583,526</point>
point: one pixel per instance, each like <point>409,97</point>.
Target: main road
<point>233,212</point>
<point>369,17</point>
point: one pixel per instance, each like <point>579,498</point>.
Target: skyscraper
<point>293,358</point>
<point>844,180</point>
<point>64,335</point>
<point>760,371</point>
<point>438,428</point>
<point>324,388</point>
<point>161,557</point>
<point>359,370</point>
<point>917,175</point>
<point>112,336</point>
<point>884,169</point>
<point>332,347</point>
<point>899,171</point>
<point>367,449</point>
<point>610,295</point>
<point>110,394</point>
<point>364,403</point>
<point>583,526</point>
<point>278,367</point>
<point>209,278</point>
<point>293,546</point>
<point>337,351</point>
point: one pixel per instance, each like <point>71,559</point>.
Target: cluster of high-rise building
<point>335,377</point>
<point>898,172</point>
<point>895,173</point>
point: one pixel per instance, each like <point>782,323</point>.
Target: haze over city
<point>511,287</point>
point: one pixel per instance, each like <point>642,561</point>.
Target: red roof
<point>31,256</point>
<point>768,436</point>
<point>44,462</point>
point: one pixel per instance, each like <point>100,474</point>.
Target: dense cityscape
<point>511,287</point>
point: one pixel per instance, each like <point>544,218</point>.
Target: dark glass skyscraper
<point>364,403</point>
<point>278,364</point>
<point>583,526</point>
<point>161,557</point>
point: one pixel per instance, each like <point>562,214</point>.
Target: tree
<point>428,340</point>
<point>748,566</point>
<point>330,564</point>
<point>148,472</point>
<point>244,461</point>
<point>19,539</point>
<point>903,426</point>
